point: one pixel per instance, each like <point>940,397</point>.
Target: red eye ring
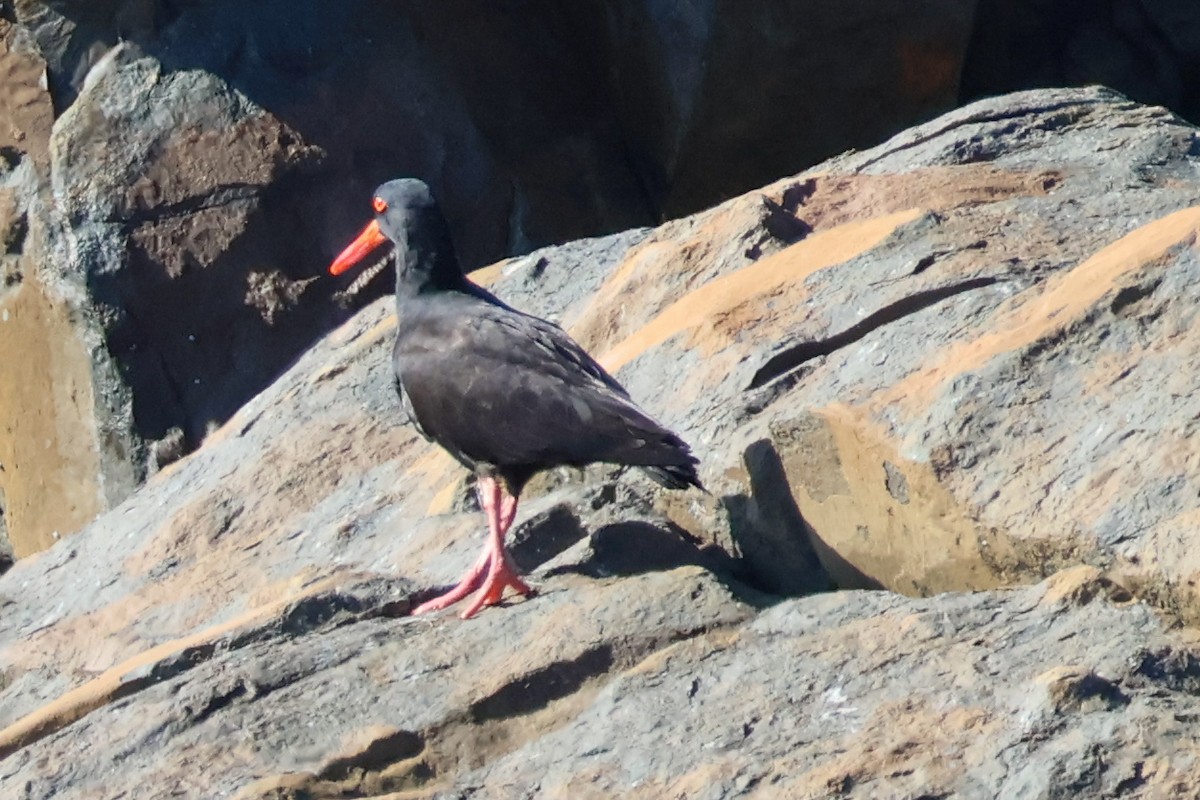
<point>379,204</point>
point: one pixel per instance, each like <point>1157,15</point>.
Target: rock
<point>54,475</point>
<point>963,365</point>
<point>449,711</point>
<point>948,375</point>
<point>25,106</point>
<point>166,224</point>
<point>503,176</point>
<point>867,694</point>
<point>6,549</point>
<point>208,160</point>
<point>127,249</point>
<point>1054,390</point>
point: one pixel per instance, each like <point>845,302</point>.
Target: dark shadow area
<point>540,688</point>
<point>637,547</point>
<point>842,573</point>
<point>1148,51</point>
<point>540,539</point>
<point>381,753</point>
<point>6,551</point>
<point>774,540</point>
<point>1177,669</point>
<point>195,345</point>
<point>780,221</point>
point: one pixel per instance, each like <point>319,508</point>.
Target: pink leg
<point>502,572</point>
<point>494,570</point>
<point>488,491</point>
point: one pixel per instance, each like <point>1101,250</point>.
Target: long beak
<point>370,238</point>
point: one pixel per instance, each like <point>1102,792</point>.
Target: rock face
<point>208,158</point>
<point>957,367</point>
<point>1053,691</point>
<point>172,232</point>
<point>51,475</point>
<point>147,273</point>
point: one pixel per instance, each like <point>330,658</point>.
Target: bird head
<point>406,215</point>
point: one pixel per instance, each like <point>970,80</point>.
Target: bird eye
<point>379,204</point>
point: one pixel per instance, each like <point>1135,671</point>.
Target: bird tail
<point>676,466</point>
<point>676,476</point>
<point>659,452</point>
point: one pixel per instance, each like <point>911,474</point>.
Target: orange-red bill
<point>370,238</point>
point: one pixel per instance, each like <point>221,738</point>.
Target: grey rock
<point>964,367</point>
<point>1065,689</point>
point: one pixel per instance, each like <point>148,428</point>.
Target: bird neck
<point>415,277</point>
<point>426,261</point>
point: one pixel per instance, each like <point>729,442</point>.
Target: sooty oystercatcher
<point>505,393</point>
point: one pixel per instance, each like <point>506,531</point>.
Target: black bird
<point>507,394</point>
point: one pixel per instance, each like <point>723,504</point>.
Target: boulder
<point>954,369</point>
<point>52,473</point>
<point>209,157</point>
<point>972,370</point>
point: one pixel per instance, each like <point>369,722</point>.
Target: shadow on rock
<point>545,536</point>
<point>637,547</point>
<point>780,551</point>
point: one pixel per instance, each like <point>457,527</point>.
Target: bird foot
<point>491,576</point>
<point>469,583</point>
<point>498,579</point>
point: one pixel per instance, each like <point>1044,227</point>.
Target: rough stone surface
<point>26,112</point>
<point>1061,690</point>
<point>955,363</point>
<point>152,284</point>
<point>973,368</point>
<point>209,158</point>
<point>51,476</point>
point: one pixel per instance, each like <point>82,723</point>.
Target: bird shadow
<point>619,549</point>
<point>634,548</point>
<point>638,547</point>
<point>546,536</point>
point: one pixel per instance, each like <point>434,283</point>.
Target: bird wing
<point>561,348</point>
<point>496,386</point>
